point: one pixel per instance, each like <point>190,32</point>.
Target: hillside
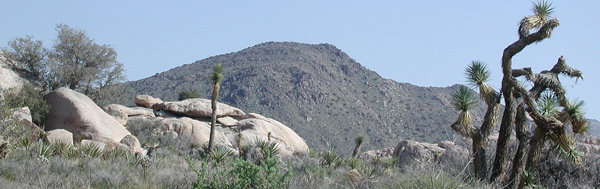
<point>319,92</point>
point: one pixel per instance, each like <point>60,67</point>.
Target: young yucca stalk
<point>215,77</point>
<point>358,141</point>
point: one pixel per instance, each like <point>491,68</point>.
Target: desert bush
<point>240,174</point>
<point>146,130</point>
<point>185,94</point>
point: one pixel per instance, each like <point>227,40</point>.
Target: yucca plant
<point>529,178</point>
<point>25,142</point>
<point>90,150</point>
<point>478,75</point>
<point>548,104</point>
<point>43,150</point>
<point>358,143</point>
<point>115,153</point>
<point>216,77</point>
<point>463,101</point>
<point>354,162</point>
<point>220,154</point>
<point>330,158</point>
<point>574,115</point>
<point>268,149</point>
<point>542,11</point>
<point>61,147</point>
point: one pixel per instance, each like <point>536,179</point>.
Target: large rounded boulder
<point>262,128</point>
<point>78,114</point>
<point>190,132</point>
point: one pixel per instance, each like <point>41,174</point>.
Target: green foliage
<point>28,54</point>
<point>354,162</point>
<point>43,150</point>
<point>267,149</point>
<point>358,143</point>
<point>28,96</point>
<point>477,73</point>
<point>529,178</point>
<point>217,75</point>
<point>542,9</point>
<point>186,94</point>
<point>220,153</point>
<point>330,158</point>
<point>463,100</point>
<point>241,174</point>
<point>548,104</point>
<point>90,150</point>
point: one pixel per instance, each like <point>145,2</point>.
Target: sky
<point>426,43</point>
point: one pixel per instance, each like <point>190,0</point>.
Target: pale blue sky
<point>426,43</point>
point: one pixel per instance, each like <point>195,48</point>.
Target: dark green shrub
<point>28,96</point>
<point>185,94</point>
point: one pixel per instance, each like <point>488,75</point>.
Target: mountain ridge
<point>319,92</point>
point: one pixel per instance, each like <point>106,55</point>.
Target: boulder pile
<point>75,118</point>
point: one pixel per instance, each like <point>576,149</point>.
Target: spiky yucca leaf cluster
<point>548,104</point>
<point>217,75</point>
<point>463,101</point>
<point>542,11</point>
<point>574,115</point>
<point>478,75</point>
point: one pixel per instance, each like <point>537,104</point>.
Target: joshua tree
<point>477,74</point>
<point>215,77</point>
<point>358,141</point>
<point>544,25</point>
<point>520,102</point>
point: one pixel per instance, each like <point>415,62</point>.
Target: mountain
<point>320,92</point>
<point>594,127</point>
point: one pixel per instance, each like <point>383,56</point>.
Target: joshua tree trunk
<point>519,161</point>
<point>213,118</point>
<point>479,154</point>
<point>507,89</point>
<point>479,159</point>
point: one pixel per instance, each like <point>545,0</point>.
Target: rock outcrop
<point>146,101</point>
<point>262,128</point>
<point>198,107</point>
<point>415,152</point>
<point>190,132</point>
<point>184,132</point>
<point>59,135</point>
<point>8,77</point>
<point>381,153</point>
<point>79,115</point>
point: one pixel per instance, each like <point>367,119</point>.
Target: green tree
<point>216,77</point>
<point>27,54</point>
<point>185,94</point>
<point>77,62</point>
<point>478,75</point>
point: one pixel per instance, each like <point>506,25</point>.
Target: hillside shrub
<point>186,94</point>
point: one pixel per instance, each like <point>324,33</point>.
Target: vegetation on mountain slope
<point>319,92</point>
